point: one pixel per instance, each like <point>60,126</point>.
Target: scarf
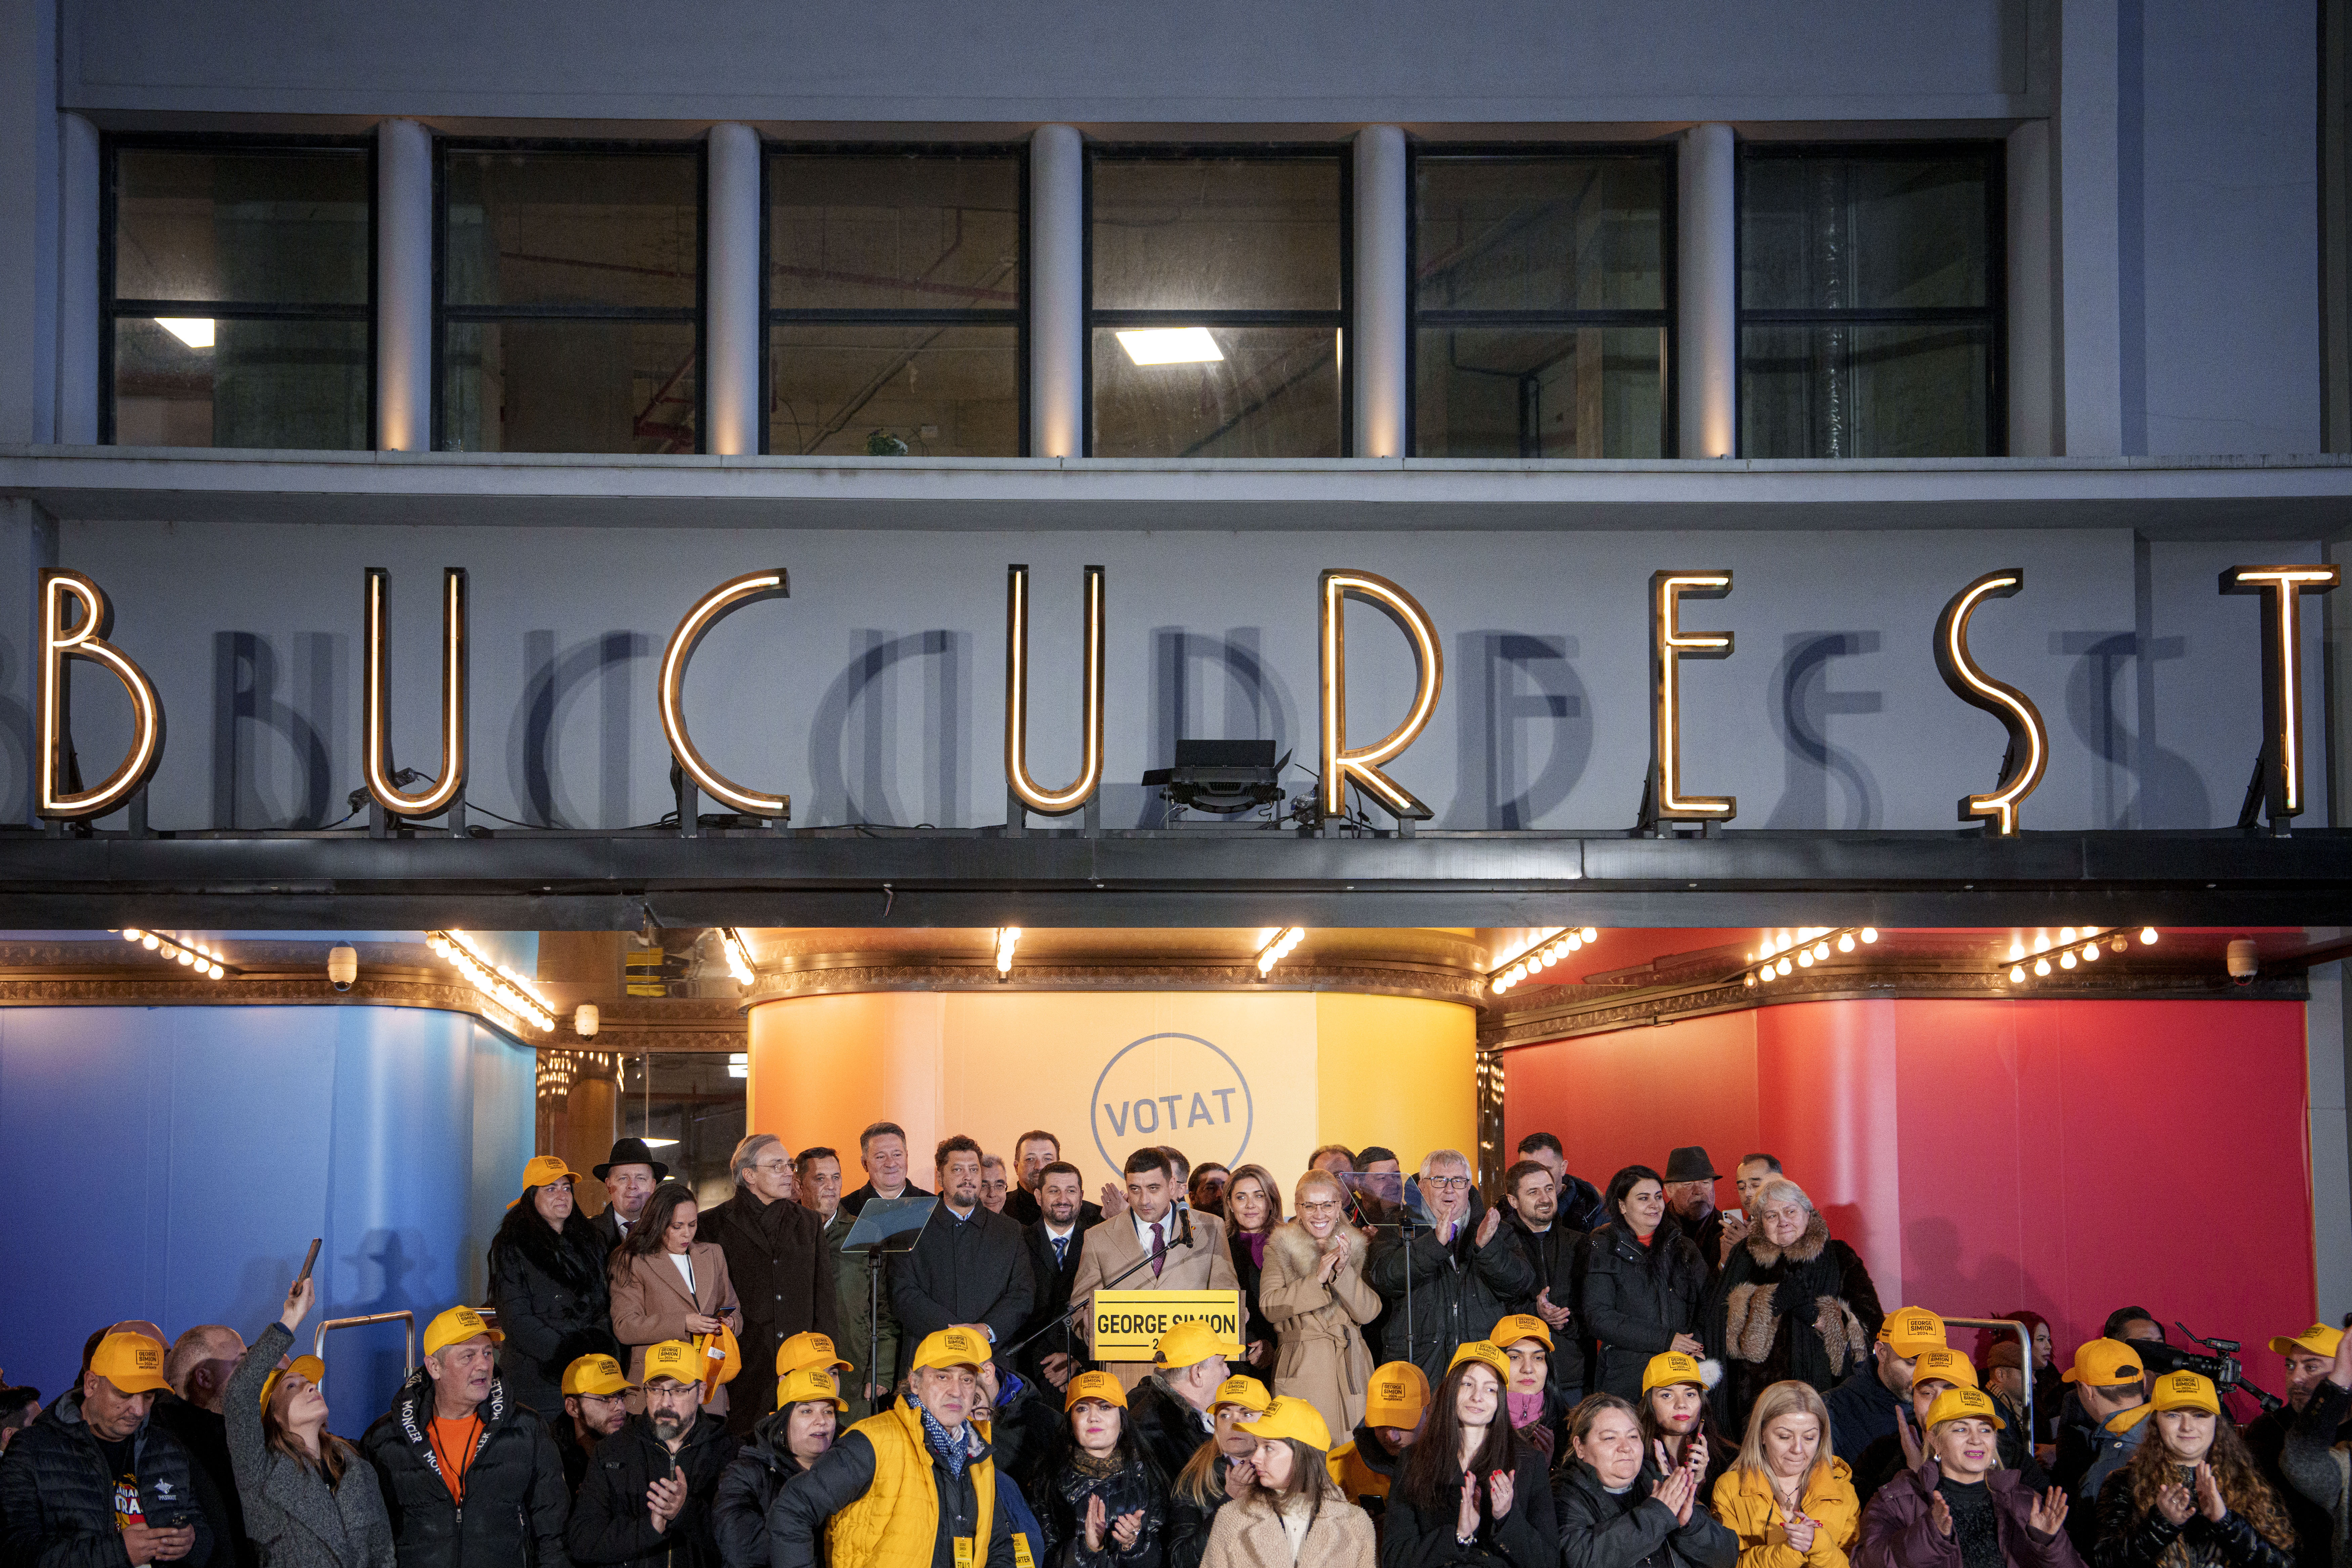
<point>1256,1239</point>
<point>1527,1409</point>
<point>953,1448</point>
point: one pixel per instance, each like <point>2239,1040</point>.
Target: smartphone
<point>308,1261</point>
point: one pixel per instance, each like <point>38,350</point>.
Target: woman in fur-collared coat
<point>1312,1291</point>
<point>1791,1303</point>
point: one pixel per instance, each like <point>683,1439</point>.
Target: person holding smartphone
<point>310,1500</point>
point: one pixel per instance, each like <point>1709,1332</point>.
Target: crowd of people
<point>1626,1377</point>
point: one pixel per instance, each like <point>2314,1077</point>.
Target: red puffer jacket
<point>1898,1533</point>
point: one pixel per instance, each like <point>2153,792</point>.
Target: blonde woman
<point>1788,1499</point>
<point>1313,1291</point>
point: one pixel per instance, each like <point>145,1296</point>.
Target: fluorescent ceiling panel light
<point>196,332</point>
<point>1169,345</point>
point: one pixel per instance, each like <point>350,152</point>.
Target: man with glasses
<point>1467,1270</point>
<point>595,1405</point>
<point>780,1267</point>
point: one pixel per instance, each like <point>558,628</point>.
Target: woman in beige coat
<point>668,1286</point>
<point>1313,1291</point>
<point>1291,1514</point>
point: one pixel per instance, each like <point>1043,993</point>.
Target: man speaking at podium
<point>1155,1245</point>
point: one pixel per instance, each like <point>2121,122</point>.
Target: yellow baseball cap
<point>1485,1353</point>
<point>803,1383</point>
<point>454,1327</point>
<point>1907,1331</point>
<point>1190,1344</point>
<point>132,1363</point>
<point>1398,1396</point>
<point>952,1347</point>
<point>1099,1385</point>
<point>1519,1326</point>
<point>308,1366</point>
<point>808,1350</point>
<point>1292,1417</point>
<point>545,1170</point>
<point>675,1360</point>
<point>1954,1403</point>
<point>1948,1364</point>
<point>2104,1363</point>
<point>598,1374</point>
<point>2173,1391</point>
<point>1671,1367</point>
<point>2316,1340</point>
<point>1247,1392</point>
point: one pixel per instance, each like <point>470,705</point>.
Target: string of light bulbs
<point>1779,957</point>
<point>1277,948</point>
<point>2074,947</point>
<point>739,954</point>
<point>194,955</point>
<point>491,978</point>
<point>1552,945</point>
<point>1007,939</point>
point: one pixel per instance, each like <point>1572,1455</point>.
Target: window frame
<point>698,314</point>
<point>1664,152</point>
<point>1993,315</point>
<point>1018,317</point>
<point>1343,318</point>
<point>111,145</point>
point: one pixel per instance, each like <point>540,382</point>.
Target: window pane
<point>1838,233</point>
<point>1863,391</point>
<point>1540,392</point>
<point>254,383</point>
<point>1580,234</point>
<point>1275,393</point>
<point>571,228</point>
<point>254,228</point>
<point>569,386</point>
<point>894,232</point>
<point>945,391</point>
<point>1227,234</point>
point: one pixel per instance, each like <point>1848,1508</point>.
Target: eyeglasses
<point>1446,1184</point>
<point>773,1167</point>
<point>1326,1207</point>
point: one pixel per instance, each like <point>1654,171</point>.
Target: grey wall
<point>877,692</point>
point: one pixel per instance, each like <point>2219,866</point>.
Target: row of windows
<point>568,300</point>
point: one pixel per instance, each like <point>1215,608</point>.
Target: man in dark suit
<point>968,1266</point>
<point>1056,1355</point>
<point>628,1173</point>
<point>779,1266</point>
<point>1031,1153</point>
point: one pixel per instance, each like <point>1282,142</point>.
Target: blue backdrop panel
<point>193,1151</point>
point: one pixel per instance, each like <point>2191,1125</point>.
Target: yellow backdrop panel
<point>1223,1076</point>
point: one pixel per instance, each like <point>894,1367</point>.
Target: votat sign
<point>77,623</point>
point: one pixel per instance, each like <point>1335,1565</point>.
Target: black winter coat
<point>1459,1289</point>
<point>2265,1436</point>
<point>1863,1410</point>
<point>975,1271</point>
<point>1636,1300</point>
<point>516,1504</point>
<point>611,1521</point>
<point>57,1494</point>
<point>796,1520</point>
<point>1557,1259</point>
<point>1062,1515</point>
<point>1599,1528</point>
<point>1526,1537</point>
<point>782,1274</point>
<point>2130,1539</point>
<point>204,1434</point>
<point>553,1300</point>
<point>1167,1427</point>
<point>1807,1311</point>
<point>747,1489</point>
<point>1186,1536</point>
<point>1257,1331</point>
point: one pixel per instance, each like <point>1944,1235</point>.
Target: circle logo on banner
<point>1171,1089</point>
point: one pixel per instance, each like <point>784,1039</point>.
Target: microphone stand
<point>1064,1320</point>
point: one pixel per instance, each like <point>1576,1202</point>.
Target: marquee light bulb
<point>2090,930</point>
<point>132,933</point>
<point>2090,952</point>
<point>1820,952</point>
<point>1805,959</point>
<point>2148,935</point>
<point>1845,942</point>
<point>1751,981</point>
<point>150,941</point>
<point>2041,966</point>
<point>1870,933</point>
<point>2017,974</point>
<point>1591,933</point>
<point>1782,968</point>
<point>2066,934</point>
<point>2066,961</point>
<point>2016,950</point>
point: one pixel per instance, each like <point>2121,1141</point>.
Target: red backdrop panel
<point>2065,1156</point>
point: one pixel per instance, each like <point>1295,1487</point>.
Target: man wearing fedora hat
<point>1690,1202</point>
<point>628,1173</point>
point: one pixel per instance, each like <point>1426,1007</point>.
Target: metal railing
<point>406,1318</point>
<point>2025,1360</point>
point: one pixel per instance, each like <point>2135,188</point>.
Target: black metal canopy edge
<point>552,881</point>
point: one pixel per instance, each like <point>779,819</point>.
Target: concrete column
<point>78,199</point>
<point>28,542</point>
<point>1378,341</point>
<point>1057,292</point>
<point>1708,330</point>
<point>2034,422</point>
<point>404,287</point>
<point>736,336</point>
<point>2089,174</point>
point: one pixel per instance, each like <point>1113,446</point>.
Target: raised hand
<point>1912,1454</point>
<point>2208,1493</point>
<point>1114,1200</point>
<point>1056,1368</point>
<point>2049,1516</point>
<point>1939,1514</point>
<point>298,1303</point>
<point>1466,1517</point>
<point>1126,1529</point>
<point>1239,1475</point>
<point>1688,1344</point>
<point>2173,1502</point>
<point>1498,1493</point>
<point>1695,1457</point>
<point>1490,1226</point>
<point>1334,1255</point>
<point>1096,1514</point>
<point>1556,1317</point>
<point>665,1498</point>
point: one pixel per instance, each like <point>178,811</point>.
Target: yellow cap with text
<point>1670,1367</point>
<point>1910,1329</point>
<point>2316,1340</point>
<point>1247,1392</point>
<point>952,1347</point>
<point>1190,1344</point>
<point>132,1363</point>
<point>809,1350</point>
<point>675,1360</point>
<point>1397,1395</point>
<point>2104,1363</point>
<point>1099,1385</point>
<point>1520,1326</point>
<point>598,1374</point>
<point>1945,1364</point>
<point>454,1327</point>
<point>1954,1403</point>
<point>1485,1353</point>
<point>805,1384</point>
<point>1291,1417</point>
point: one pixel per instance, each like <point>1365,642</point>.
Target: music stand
<point>881,1222</point>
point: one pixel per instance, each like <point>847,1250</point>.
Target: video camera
<point>2223,1366</point>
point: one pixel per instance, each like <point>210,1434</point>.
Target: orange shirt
<point>455,1444</point>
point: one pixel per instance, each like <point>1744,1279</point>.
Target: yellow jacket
<point>1357,1480</point>
<point>1743,1502</point>
<point>896,1523</point>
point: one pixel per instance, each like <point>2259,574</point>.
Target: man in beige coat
<point>1148,1245</point>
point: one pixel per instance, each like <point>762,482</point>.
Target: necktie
<point>1061,1247</point>
<point>1158,1249</point>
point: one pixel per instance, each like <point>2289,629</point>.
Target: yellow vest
<point>897,1523</point>
<point>1355,1479</point>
